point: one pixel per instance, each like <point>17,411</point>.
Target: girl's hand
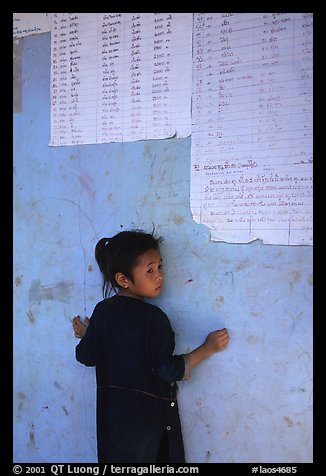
<point>79,326</point>
<point>217,340</point>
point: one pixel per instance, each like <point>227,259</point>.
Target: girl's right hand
<point>79,326</point>
<point>217,340</point>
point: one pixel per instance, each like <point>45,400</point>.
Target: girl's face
<point>147,276</point>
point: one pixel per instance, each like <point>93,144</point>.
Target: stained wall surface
<point>250,403</point>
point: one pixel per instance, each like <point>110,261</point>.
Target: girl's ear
<point>122,280</point>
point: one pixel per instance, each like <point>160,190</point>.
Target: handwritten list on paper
<point>251,150</point>
<point>119,77</point>
<point>30,23</point>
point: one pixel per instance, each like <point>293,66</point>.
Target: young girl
<point>131,344</point>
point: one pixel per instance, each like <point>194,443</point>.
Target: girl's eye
<point>150,270</point>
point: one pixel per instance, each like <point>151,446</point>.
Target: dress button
<point>168,428</point>
<point>172,404</point>
<point>172,384</point>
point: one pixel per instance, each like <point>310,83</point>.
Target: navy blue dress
<point>131,344</point>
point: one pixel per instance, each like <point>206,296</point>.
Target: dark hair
<point>120,254</point>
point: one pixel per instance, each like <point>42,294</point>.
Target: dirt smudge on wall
<point>60,291</point>
<point>30,316</point>
<point>32,436</point>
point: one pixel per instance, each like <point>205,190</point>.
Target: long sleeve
<point>168,366</point>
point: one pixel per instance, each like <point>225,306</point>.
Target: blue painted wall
<point>249,403</point>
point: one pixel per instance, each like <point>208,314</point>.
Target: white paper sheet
<point>120,77</point>
<point>251,151</point>
<point>30,23</point>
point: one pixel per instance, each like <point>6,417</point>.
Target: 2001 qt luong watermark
<point>103,469</point>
